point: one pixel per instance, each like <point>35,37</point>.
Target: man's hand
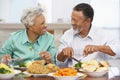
<point>66,52</point>
<point>46,55</point>
<point>89,49</point>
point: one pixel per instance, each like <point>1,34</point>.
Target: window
<point>106,13</point>
<point>12,10</point>
<point>48,8</point>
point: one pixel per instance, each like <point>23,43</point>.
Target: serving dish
<point>9,76</point>
<point>77,77</point>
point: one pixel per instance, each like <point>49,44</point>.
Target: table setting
<point>38,69</point>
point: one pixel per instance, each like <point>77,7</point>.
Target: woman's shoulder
<point>17,34</point>
<point>47,35</point>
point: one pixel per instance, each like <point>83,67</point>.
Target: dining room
<point>59,20</point>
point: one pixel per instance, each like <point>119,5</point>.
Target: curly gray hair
<point>30,14</point>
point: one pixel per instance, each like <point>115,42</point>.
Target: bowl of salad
<point>7,72</point>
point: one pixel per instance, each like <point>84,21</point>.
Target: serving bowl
<point>8,76</point>
<point>96,74</point>
<point>77,77</point>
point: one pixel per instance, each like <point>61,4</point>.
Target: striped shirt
<point>96,36</point>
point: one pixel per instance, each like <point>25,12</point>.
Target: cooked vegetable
<point>78,65</point>
<point>4,71</point>
<point>66,72</point>
<point>95,66</point>
<point>28,64</point>
<point>22,64</point>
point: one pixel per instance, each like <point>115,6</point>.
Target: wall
<point>63,8</point>
<point>11,10</point>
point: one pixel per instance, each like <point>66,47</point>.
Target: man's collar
<point>90,34</point>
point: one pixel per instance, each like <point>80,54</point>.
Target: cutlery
<point>77,59</point>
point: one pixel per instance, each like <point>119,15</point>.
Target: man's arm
<point>105,49</point>
<point>89,49</point>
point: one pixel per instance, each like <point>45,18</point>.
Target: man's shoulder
<point>67,36</point>
<point>69,32</point>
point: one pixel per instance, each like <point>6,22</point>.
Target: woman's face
<point>39,26</point>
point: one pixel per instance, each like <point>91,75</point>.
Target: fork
<point>77,59</point>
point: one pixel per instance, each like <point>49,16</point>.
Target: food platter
<point>9,76</point>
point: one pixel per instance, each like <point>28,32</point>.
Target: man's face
<point>78,20</point>
<point>39,26</point>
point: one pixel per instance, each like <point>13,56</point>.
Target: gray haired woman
<point>32,43</point>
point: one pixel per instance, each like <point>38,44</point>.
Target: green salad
<point>22,64</point>
<point>78,65</point>
<point>4,71</point>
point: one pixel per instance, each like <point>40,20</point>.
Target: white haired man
<point>32,43</point>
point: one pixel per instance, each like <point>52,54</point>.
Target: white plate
<point>9,76</point>
<point>35,75</point>
<point>20,68</point>
<point>77,77</point>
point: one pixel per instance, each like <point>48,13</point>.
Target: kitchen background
<point>58,14</point>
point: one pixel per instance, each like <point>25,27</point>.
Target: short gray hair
<point>30,14</point>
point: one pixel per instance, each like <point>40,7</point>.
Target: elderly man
<point>32,43</point>
<point>84,40</point>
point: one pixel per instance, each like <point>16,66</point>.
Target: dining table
<point>52,78</point>
<point>113,74</point>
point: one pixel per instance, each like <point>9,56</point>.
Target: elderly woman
<point>32,43</point>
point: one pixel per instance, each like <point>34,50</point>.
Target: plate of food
<point>22,66</point>
<point>95,68</point>
<point>39,68</point>
<point>7,72</point>
<point>67,74</point>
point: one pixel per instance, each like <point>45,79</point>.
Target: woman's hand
<point>46,55</point>
<point>6,59</point>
